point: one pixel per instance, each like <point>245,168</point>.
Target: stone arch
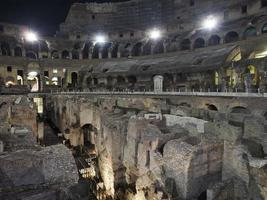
<point>43,46</point>
<point>5,48</point>
<point>31,55</point>
<point>185,44</point>
<point>10,81</point>
<point>120,80</point>
<point>199,43</point>
<point>105,50</point>
<point>86,50</point>
<point>65,54</point>
<point>95,81</point>
<point>264,28</point>
<point>137,49</point>
<point>115,49</point>
<point>231,36</point>
<point>109,81</point>
<point>211,107</point>
<point>125,50</point>
<point>250,32</point>
<point>18,51</point>
<point>74,79</point>
<point>168,81</point>
<point>240,109</point>
<point>214,40</point>
<point>77,46</point>
<point>89,133</point>
<point>89,81</point>
<point>96,50</point>
<point>147,48</point>
<point>75,54</point>
<point>159,47</point>
<point>54,54</point>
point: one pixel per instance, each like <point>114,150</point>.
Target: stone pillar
<point>23,52</point>
<point>109,53</point>
<point>158,83</point>
<point>1,146</point>
<point>80,55</point>
<point>118,54</point>
<point>12,52</point>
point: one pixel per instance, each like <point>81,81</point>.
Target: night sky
<point>44,16</point>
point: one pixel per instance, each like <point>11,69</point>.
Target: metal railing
<point>255,93</point>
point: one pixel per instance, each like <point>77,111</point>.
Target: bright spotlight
<point>210,23</point>
<point>100,39</point>
<point>155,34</point>
<point>31,36</point>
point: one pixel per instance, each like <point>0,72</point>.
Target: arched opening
<point>96,51</point>
<point>109,82</point>
<point>240,110</point>
<point>18,51</point>
<point>211,107</point>
<point>95,81</point>
<point>199,43</point>
<point>168,82</point>
<point>114,52</point>
<point>231,37</point>
<point>264,29</point>
<point>77,46</point>
<point>55,81</point>
<point>75,55</point>
<point>185,44</point>
<point>43,46</point>
<point>54,54</point>
<point>65,54</point>
<point>74,79</point>
<point>126,50</point>
<point>132,80</point>
<point>137,49</point>
<point>250,32</point>
<point>89,134</point>
<point>89,81</point>
<point>214,40</point>
<point>252,75</point>
<point>5,48</point>
<point>105,50</point>
<point>120,80</point>
<point>159,48</point>
<point>147,48</point>
<point>86,50</point>
<point>202,196</point>
<point>31,55</point>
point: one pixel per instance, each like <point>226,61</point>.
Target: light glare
<point>31,36</point>
<point>155,34</point>
<point>100,39</point>
<point>210,23</point>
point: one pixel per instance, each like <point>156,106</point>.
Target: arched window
<point>214,40</point>
<point>137,49</point>
<point>5,48</point>
<point>231,37</point>
<point>264,28</point>
<point>250,32</point>
<point>65,54</point>
<point>86,50</point>
<point>44,46</point>
<point>105,50</point>
<point>126,50</point>
<point>54,54</point>
<point>18,51</point>
<point>199,43</point>
<point>159,48</point>
<point>75,55</point>
<point>74,79</point>
<point>31,55</point>
<point>96,50</point>
<point>115,49</point>
<point>120,80</point>
<point>147,48</point>
<point>185,44</point>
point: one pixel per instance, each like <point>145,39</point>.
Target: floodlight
<point>31,36</point>
<point>155,34</point>
<point>210,23</point>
